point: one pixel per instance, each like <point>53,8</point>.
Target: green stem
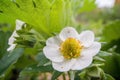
<point>64,76</point>
<point>72,75</point>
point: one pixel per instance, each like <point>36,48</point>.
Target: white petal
<point>11,47</point>
<point>63,66</point>
<point>11,41</point>
<point>82,62</point>
<point>19,24</point>
<point>14,34</point>
<point>53,53</point>
<point>53,41</point>
<point>87,38</point>
<point>12,38</point>
<point>92,50</point>
<point>68,32</point>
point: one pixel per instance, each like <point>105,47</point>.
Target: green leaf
<point>98,60</point>
<point>111,31</point>
<point>55,75</point>
<point>104,54</point>
<point>108,77</point>
<point>117,58</point>
<point>82,74</point>
<point>94,72</point>
<point>36,69</point>
<point>111,60</point>
<point>3,42</point>
<point>83,5</point>
<point>41,59</point>
<point>44,15</point>
<point>113,46</point>
<point>9,59</point>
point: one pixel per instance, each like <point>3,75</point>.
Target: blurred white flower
<point>70,50</point>
<point>12,38</point>
<point>105,3</point>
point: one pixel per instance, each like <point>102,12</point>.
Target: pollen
<point>71,48</point>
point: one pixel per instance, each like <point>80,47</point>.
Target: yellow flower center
<point>71,48</point>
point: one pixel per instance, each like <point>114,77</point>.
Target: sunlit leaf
<point>45,16</point>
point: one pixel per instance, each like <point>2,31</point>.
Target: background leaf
<point>9,59</point>
<point>55,74</point>
<point>4,42</point>
<point>111,63</point>
<point>111,31</point>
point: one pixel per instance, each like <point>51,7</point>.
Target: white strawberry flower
<point>12,39</point>
<point>70,50</point>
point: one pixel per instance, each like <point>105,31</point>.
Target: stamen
<point>71,48</point>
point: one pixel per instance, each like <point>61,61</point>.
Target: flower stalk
<point>72,75</point>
